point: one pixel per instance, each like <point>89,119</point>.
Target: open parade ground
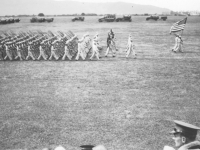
<point>122,103</point>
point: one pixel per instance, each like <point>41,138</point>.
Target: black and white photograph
<point>99,75</point>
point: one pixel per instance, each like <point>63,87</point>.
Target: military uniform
<point>30,51</point>
<point>185,136</point>
<point>1,51</point>
<point>9,53</point>
<point>66,53</point>
<point>130,48</point>
<point>110,43</point>
<point>81,48</point>
<point>54,50</point>
<point>95,47</point>
<point>42,48</point>
<point>178,47</point>
<point>19,51</point>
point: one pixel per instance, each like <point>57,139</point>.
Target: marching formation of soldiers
<point>48,46</point>
<point>38,45</point>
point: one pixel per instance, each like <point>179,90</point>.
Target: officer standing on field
<point>110,43</point>
<point>184,136</point>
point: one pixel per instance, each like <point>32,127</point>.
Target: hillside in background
<point>51,7</point>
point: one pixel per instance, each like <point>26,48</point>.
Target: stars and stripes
<point>178,26</point>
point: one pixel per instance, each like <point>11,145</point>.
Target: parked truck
<point>78,19</point>
<point>124,18</point>
<point>164,18</point>
<point>113,18</point>
<point>108,18</point>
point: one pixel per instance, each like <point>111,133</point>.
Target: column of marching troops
<point>39,45</point>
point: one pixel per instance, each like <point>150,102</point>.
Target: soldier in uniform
<point>110,43</point>
<point>42,48</point>
<point>30,51</point>
<point>130,47</point>
<point>8,51</point>
<point>184,136</point>
<point>95,47</point>
<point>81,47</point>
<point>66,53</point>
<point>1,51</point>
<point>54,50</point>
<point>178,44</point>
<point>19,51</point>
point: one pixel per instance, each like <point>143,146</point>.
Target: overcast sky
<point>176,5</point>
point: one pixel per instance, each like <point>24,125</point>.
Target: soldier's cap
<point>185,128</point>
<point>87,147</point>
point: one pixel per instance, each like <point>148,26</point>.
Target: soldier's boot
<point>32,57</point>
<point>77,57</point>
<point>97,56</point>
<point>64,56</point>
<point>39,57</point>
<point>50,58</point>
<point>69,57</point>
<point>113,54</point>
<point>107,51</point>
<point>10,57</point>
<point>27,57</point>
<point>20,58</point>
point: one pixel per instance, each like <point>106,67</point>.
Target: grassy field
<point>121,103</point>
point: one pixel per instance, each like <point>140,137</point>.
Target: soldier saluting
<point>184,136</point>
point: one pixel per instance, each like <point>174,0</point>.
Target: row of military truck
<point>123,18</point>
<point>8,20</point>
<point>105,18</point>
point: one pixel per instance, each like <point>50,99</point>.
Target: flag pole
<point>181,33</point>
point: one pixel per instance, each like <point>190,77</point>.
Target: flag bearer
<point>178,47</point>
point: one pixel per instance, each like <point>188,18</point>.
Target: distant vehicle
<point>124,18</point>
<point>164,18</point>
<point>8,20</point>
<point>17,20</point>
<point>49,19</point>
<point>108,18</point>
<point>152,18</point>
<point>41,19</point>
<point>3,21</point>
<point>78,19</point>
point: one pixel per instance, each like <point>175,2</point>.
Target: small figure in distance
<point>184,136</point>
<point>178,47</point>
<point>111,43</point>
<point>130,47</point>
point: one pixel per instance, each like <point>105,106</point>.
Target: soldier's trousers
<point>1,55</point>
<point>43,55</point>
<point>79,53</point>
<point>130,50</point>
<point>66,54</point>
<point>19,55</point>
<point>178,48</point>
<point>8,55</point>
<point>53,54</point>
<point>110,49</point>
<point>95,52</point>
<point>30,55</point>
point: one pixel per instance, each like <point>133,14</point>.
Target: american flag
<point>178,26</point>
